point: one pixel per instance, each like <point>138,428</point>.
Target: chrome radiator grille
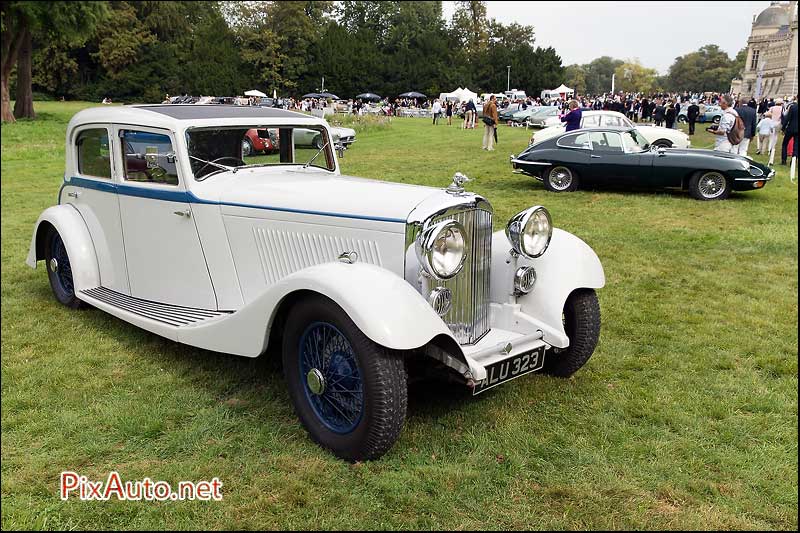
<point>468,317</point>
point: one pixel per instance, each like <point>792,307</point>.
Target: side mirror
<point>661,151</point>
<point>586,146</point>
<point>340,148</point>
<point>171,157</point>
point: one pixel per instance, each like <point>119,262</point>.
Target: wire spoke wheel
<point>711,185</point>
<point>331,377</point>
<point>560,178</point>
<point>60,266</point>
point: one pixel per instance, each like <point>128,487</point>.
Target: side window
<point>578,140</point>
<point>591,121</point>
<point>611,120</point>
<point>605,141</point>
<point>94,154</point>
<point>148,157</point>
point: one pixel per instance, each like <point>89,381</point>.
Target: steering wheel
<point>219,159</point>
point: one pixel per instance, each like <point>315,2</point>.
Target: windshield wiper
<point>218,165</point>
<point>315,155</point>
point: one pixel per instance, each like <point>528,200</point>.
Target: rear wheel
<point>59,270</point>
<point>581,318</point>
<point>711,185</point>
<point>349,393</point>
<point>662,143</point>
<point>682,119</point>
<point>560,178</point>
<point>716,119</point>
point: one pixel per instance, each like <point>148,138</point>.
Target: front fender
<point>73,231</point>
<point>568,264</point>
<point>383,305</point>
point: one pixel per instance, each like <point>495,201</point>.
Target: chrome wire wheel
<point>60,266</point>
<point>711,185</point>
<point>331,378</point>
<point>247,148</point>
<point>560,178</point>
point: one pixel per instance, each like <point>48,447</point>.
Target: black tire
<point>582,325</point>
<point>662,143</point>
<point>59,270</point>
<point>317,142</point>
<point>560,178</point>
<point>682,119</point>
<point>381,376</point>
<point>716,119</point>
<point>709,185</point>
<point>247,148</point>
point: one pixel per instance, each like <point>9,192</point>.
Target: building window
<point>754,60</point>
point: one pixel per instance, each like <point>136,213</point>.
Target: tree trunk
<point>11,38</point>
<point>23,107</point>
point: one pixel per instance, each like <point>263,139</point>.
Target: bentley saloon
<point>164,222</point>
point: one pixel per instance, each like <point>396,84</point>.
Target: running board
<point>171,315</point>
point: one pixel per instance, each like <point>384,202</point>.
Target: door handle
<point>186,213</point>
<point>595,156</point>
<point>72,194</point>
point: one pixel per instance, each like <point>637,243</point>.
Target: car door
<point>92,190</point>
<point>163,252</point>
<point>609,161</point>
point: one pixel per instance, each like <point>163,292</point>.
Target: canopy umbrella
<point>328,95</point>
<point>255,93</point>
<point>412,94</point>
<point>312,95</point>
<point>368,96</point>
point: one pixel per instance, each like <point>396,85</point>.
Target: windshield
<point>215,150</point>
<point>634,141</point>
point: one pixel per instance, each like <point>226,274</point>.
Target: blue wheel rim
<point>64,271</point>
<point>340,405</point>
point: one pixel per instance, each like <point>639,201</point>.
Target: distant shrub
<point>361,123</point>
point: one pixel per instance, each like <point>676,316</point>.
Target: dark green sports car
<point>622,157</point>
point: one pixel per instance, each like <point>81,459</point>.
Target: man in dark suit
<point>691,115</point>
<point>789,127</point>
<point>748,115</point>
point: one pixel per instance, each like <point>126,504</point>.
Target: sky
<point>654,32</point>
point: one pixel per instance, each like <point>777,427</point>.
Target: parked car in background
<point>623,157</point>
<point>520,117</point>
<point>162,223</point>
<point>258,141</point>
<point>538,119</point>
<point>655,135</point>
<point>713,114</point>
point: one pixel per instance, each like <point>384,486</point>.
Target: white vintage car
<point>161,223</point>
<point>655,135</point>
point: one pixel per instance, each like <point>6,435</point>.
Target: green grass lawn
<point>686,416</point>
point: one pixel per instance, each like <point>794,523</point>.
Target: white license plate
<point>513,367</point>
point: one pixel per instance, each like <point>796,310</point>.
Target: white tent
<point>255,92</point>
<point>460,95</point>
<point>561,90</point>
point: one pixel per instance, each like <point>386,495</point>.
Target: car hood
<point>314,192</point>
<point>343,132</point>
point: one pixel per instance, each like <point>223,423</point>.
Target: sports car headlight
<point>441,249</point>
<point>530,231</point>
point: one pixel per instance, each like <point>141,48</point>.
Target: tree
<point>632,77</point>
<point>598,74</point>
<point>575,78</point>
<point>708,69</point>
<point>71,22</point>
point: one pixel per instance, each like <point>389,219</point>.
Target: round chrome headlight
<point>441,249</point>
<point>530,231</point>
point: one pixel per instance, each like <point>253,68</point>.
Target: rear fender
<point>73,231</point>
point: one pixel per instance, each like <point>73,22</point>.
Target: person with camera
<point>730,130</point>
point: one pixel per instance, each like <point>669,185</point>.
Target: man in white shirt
<point>766,129</point>
<point>726,123</point>
<point>436,110</point>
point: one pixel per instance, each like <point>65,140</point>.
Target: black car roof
<point>201,111</point>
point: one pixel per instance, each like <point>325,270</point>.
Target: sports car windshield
<point>634,141</point>
<point>230,148</point>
